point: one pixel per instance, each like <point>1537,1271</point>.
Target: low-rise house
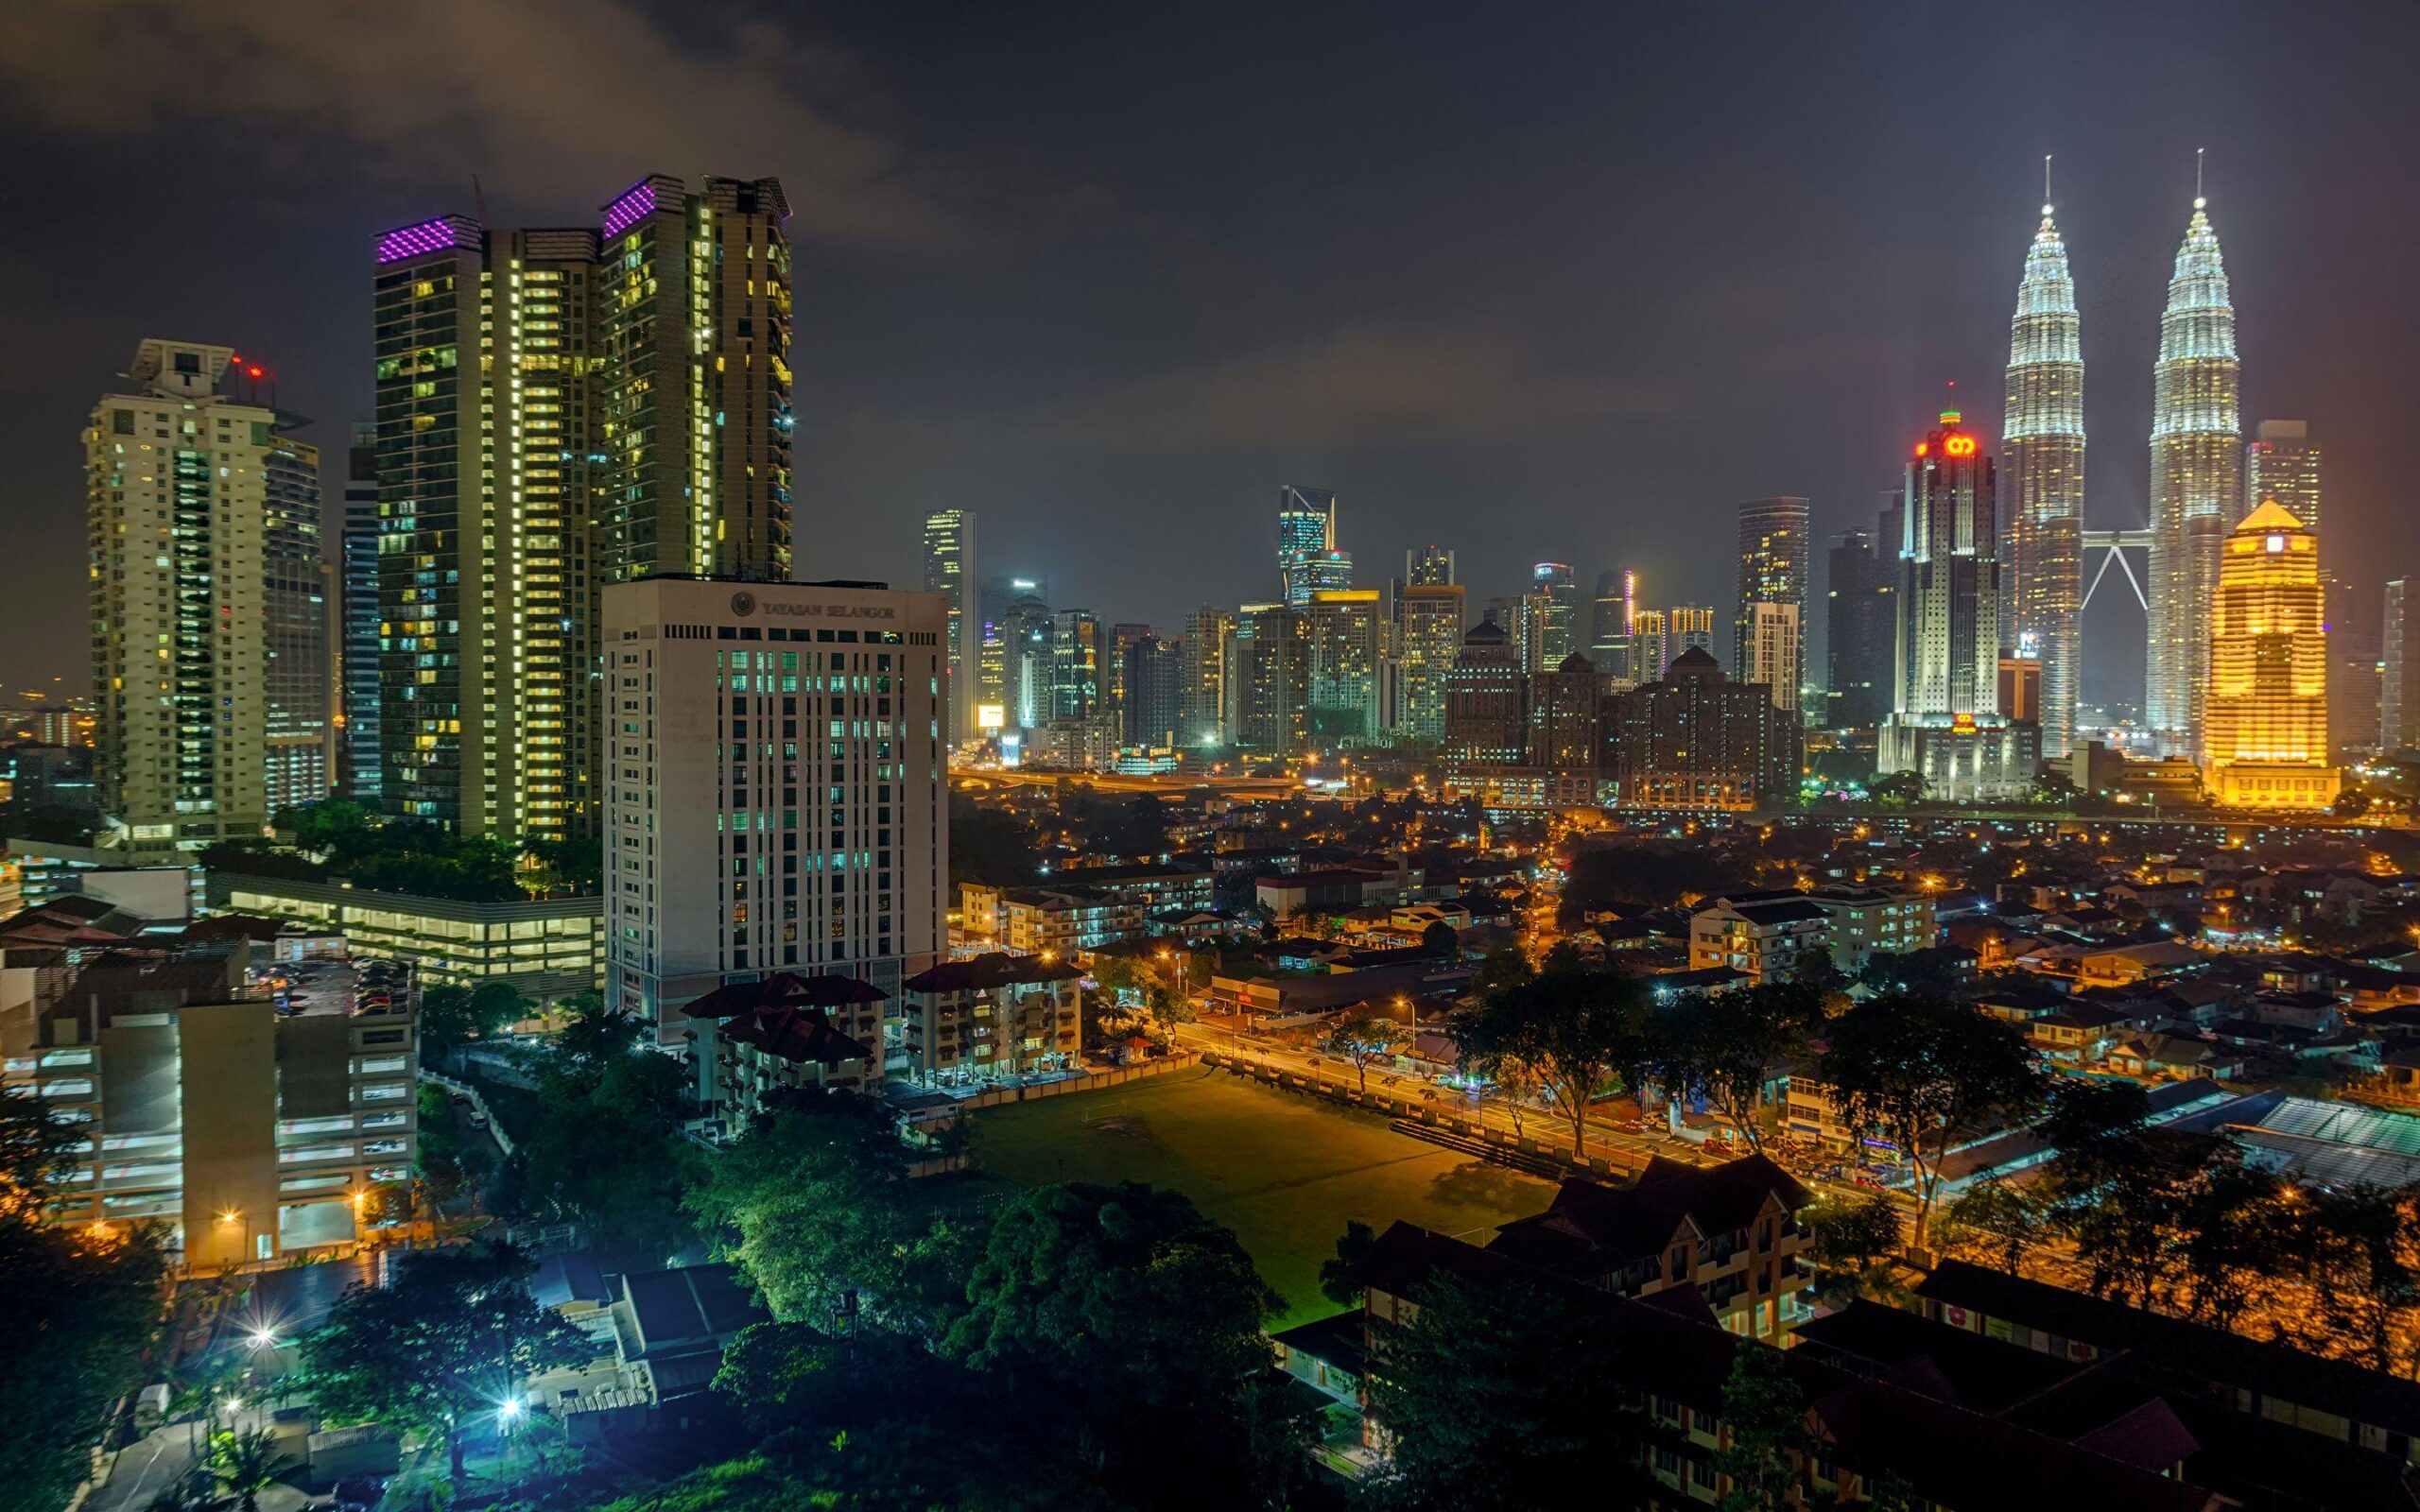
<point>1866,921</point>
<point>1730,1231</point>
<point>1768,940</point>
<point>784,1031</point>
<point>989,1016</point>
<point>2171,1057</point>
<point>660,1337</point>
<point>1333,891</point>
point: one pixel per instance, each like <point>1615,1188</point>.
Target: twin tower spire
<point>2196,478</point>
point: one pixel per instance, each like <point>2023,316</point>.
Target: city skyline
<point>1527,418</point>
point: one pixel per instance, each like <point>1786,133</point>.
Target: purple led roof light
<point>631,206</point>
<point>434,235</point>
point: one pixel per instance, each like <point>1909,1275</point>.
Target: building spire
<point>2199,155</point>
<point>2045,185</point>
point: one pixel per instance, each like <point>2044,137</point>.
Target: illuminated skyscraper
<point>1773,546</point>
<point>1775,651</point>
<point>1431,566</point>
<point>1650,645</point>
<point>1206,704</point>
<point>1609,630</point>
<point>2197,483</point>
<point>2042,474</point>
<point>1687,628</point>
<point>1945,720</point>
<point>2282,463</point>
<point>1554,612</point>
<point>1429,636</point>
<point>950,571</point>
<point>1270,666</point>
<point>2267,729</point>
<point>1860,630</point>
<point>1078,665</point>
<point>1308,559</point>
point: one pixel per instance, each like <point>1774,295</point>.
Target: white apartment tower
<point>774,789</point>
<point>208,662</point>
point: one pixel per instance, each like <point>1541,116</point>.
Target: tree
<point>1503,966</point>
<point>1339,1275</point>
<point>988,845</point>
<point>1999,1218</point>
<point>1143,1319</point>
<point>2053,790</point>
<point>1766,1414</point>
<point>445,1021</point>
<point>1924,1073</point>
<point>1573,1027</point>
<point>1897,789</point>
<point>1497,1395</point>
<point>1442,940</point>
<point>77,1309</point>
<point>597,1092</point>
<point>1853,1243</point>
<point>246,1464</point>
<point>445,1344</point>
<point>1725,1046</point>
<point>1935,971</point>
<point>1362,1039</point>
<point>815,1190</point>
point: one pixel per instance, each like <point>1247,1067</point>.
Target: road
<point>1495,1112</point>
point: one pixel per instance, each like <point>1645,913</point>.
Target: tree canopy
<point>1570,1028</point>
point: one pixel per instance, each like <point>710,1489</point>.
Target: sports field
<point>1284,1172</point>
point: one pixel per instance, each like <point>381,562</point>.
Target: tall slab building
<point>359,611</point>
<point>1308,559</point>
<point>558,408</point>
<point>2196,483</point>
<point>209,603</point>
<point>2282,463</point>
<point>2042,476</point>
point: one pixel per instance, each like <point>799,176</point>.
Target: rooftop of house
<point>1589,1225</point>
<point>982,972</point>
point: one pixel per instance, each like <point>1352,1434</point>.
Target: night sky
<point>1535,282</point>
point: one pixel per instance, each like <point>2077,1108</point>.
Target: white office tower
<point>950,566</point>
<point>774,790</point>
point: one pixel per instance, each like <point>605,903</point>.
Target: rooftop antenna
<point>479,198</point>
<point>2199,153</point>
<point>2046,183</point>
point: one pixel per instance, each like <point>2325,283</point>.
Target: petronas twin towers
<point>2196,482</point>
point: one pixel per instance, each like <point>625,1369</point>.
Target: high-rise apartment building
<point>1347,671</point>
<point>1486,707</point>
<point>2267,730</point>
<point>1430,566</point>
<point>1554,610</point>
<point>1687,628</point>
<point>950,570</point>
<point>2354,649</point>
<point>358,566</point>
<point>2042,474</point>
<point>775,794</point>
<point>1693,739</point>
<point>2282,463</point>
<point>1030,672</point>
<point>1205,703</point>
<point>211,671</point>
<point>1123,637</point>
<point>2197,483</point>
<point>1269,667</point>
<point>1609,625</point>
<point>1774,546</point>
<point>1429,636</point>
<point>1650,644</point>
<point>558,408</point>
<point>1308,559</point>
<point>693,331</point>
<point>1860,630</point>
<point>1945,720</point>
<point>1775,650</point>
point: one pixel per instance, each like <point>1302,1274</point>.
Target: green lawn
<point>1284,1172</point>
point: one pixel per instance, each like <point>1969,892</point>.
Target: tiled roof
<point>783,988</point>
<point>998,969</point>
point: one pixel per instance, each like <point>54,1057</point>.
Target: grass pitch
<point>1284,1171</point>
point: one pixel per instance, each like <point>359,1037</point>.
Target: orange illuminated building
<point>2266,724</point>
